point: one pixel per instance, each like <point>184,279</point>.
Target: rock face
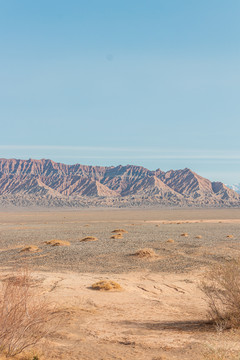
<point>47,183</point>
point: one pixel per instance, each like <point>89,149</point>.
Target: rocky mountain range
<point>47,183</point>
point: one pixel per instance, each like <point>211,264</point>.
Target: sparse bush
<point>222,288</point>
<point>25,315</point>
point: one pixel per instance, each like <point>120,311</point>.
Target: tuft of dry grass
<point>30,248</point>
<point>106,285</point>
<point>222,289</point>
<point>89,238</point>
<point>184,234</point>
<point>120,231</point>
<point>145,253</point>
<point>230,236</point>
<point>170,241</point>
<point>56,242</point>
<point>117,236</point>
<point>198,237</point>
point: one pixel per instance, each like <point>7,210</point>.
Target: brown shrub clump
<point>230,236</point>
<point>106,285</point>
<point>89,238</point>
<point>145,253</point>
<point>184,234</point>
<point>30,248</point>
<point>222,289</point>
<point>56,242</point>
<point>26,316</point>
<point>117,236</point>
<point>120,231</point>
<point>170,241</point>
<point>198,237</point>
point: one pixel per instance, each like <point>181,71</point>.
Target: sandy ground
<point>160,313</point>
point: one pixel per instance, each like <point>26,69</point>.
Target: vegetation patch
<point>117,236</point>
<point>89,238</point>
<point>30,248</point>
<point>145,253</point>
<point>56,242</point>
<point>230,236</point>
<point>106,285</point>
<point>184,234</point>
<point>198,237</point>
<point>170,241</point>
<point>120,231</point>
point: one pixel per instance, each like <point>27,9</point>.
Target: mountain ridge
<point>56,184</point>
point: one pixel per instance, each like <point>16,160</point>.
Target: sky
<point>154,83</point>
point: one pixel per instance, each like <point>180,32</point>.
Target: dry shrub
<point>120,231</point>
<point>170,241</point>
<point>145,253</point>
<point>117,236</point>
<point>221,354</point>
<point>56,242</point>
<point>198,237</point>
<point>222,289</point>
<point>30,248</point>
<point>106,285</point>
<point>184,234</point>
<point>26,317</point>
<point>230,236</point>
<point>89,238</point>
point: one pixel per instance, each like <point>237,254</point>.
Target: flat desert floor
<point>160,313</point>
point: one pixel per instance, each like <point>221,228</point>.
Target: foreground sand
<point>160,313</point>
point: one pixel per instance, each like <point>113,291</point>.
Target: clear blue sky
<point>106,82</point>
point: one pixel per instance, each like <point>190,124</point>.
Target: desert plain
<point>159,312</point>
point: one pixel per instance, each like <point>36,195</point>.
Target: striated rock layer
<point>47,183</point>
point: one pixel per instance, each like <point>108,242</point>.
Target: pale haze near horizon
<point>150,83</point>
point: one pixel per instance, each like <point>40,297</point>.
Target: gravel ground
<point>116,255</point>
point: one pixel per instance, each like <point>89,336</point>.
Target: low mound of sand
<point>89,238</point>
<point>170,241</point>
<point>184,234</point>
<point>117,236</point>
<point>30,248</point>
<point>120,231</point>
<point>145,253</point>
<point>198,237</point>
<point>56,242</point>
<point>106,285</point>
